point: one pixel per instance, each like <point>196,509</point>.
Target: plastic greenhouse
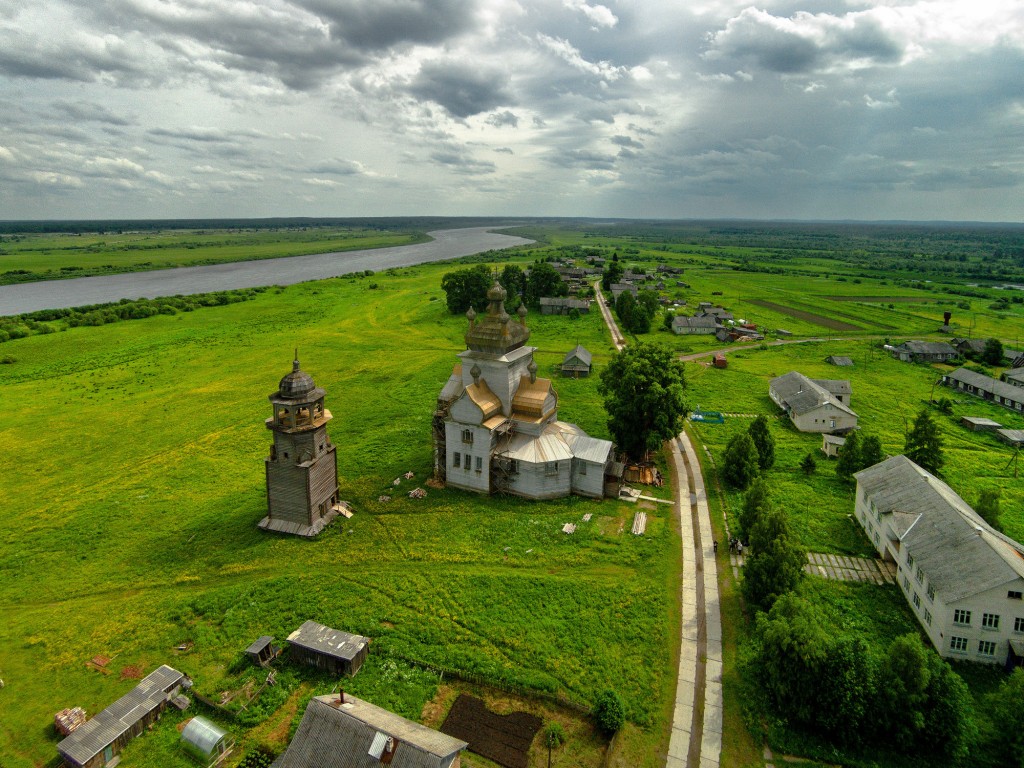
<point>205,741</point>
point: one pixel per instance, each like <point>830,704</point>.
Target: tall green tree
<point>777,563</point>
<point>643,388</point>
<point>756,500</point>
<point>465,288</point>
<point>924,443</point>
<point>849,457</point>
<point>626,308</point>
<point>902,685</point>
<point>542,281</point>
<point>739,462</point>
<point>513,280</point>
<point>989,508</point>
<point>1006,710</point>
<point>808,464</point>
<point>993,352</point>
<point>871,452</point>
<point>761,435</point>
<point>612,274</point>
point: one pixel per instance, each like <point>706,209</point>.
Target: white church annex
<point>496,427</point>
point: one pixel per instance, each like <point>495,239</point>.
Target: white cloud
<point>599,15</point>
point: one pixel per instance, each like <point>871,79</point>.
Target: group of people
<point>735,546</point>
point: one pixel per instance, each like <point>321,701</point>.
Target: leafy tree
<point>848,687</point>
<point>777,563</point>
<point>809,464</point>
<point>613,273</point>
<point>554,736</point>
<point>988,507</point>
<point>1006,710</point>
<point>643,388</point>
<point>849,457</point>
<point>993,352</point>
<point>513,280</point>
<point>740,464</point>
<point>871,452</point>
<point>626,308</point>
<point>762,437</point>
<point>949,726</point>
<point>609,712</point>
<point>903,681</point>
<point>648,300</point>
<point>755,502</point>
<point>465,288</point>
<point>543,280</point>
<point>924,444</point>
<point>667,321</point>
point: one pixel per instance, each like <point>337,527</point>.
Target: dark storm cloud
<point>582,158</point>
<point>461,162</point>
<point>89,111</point>
<point>462,88</point>
<point>626,141</point>
<point>79,58</point>
<point>499,119</point>
<point>382,24</point>
<point>804,42</point>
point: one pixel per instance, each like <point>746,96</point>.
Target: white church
<point>496,427</point>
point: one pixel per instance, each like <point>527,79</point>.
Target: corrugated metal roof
<point>332,642</point>
<point>330,734</point>
<point>987,384</point>
<point>800,394</point>
<point>89,739</point>
<point>583,446</point>
<point>961,555</point>
<point>550,445</point>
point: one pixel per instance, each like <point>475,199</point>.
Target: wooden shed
<point>262,651</point>
<point>577,363</point>
<point>336,651</point>
<point>98,742</point>
<point>831,444</point>
<point>979,423</point>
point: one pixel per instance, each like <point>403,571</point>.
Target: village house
<point>340,653</point>
<point>811,404</point>
<point>563,305</point>
<point>340,729</point>
<point>1014,376</point>
<point>985,387</point>
<point>98,741</point>
<point>968,347</point>
<point>963,580</point>
<point>577,363</point>
<point>721,314</point>
<point>924,352</point>
<point>694,325</point>
<point>831,445</point>
<point>496,426</point>
<point>618,289</point>
<point>302,469</point>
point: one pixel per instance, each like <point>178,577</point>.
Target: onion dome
<point>493,334</point>
<point>471,314</point>
<point>504,317</point>
<point>296,384</point>
<point>496,292</point>
<point>475,373</point>
<point>532,368</point>
<point>521,312</point>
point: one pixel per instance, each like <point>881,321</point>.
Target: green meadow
<point>134,482</point>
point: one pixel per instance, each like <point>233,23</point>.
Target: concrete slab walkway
<point>837,567</point>
<point>696,740</point>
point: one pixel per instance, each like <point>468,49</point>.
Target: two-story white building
<point>963,579</point>
<point>814,405</point>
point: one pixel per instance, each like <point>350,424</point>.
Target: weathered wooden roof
<point>960,553</point>
<point>1014,374</point>
<point>297,386</point>
<point>700,321</point>
<point>89,740</point>
<point>343,734</point>
<point>1011,436</point>
<point>260,644</point>
<point>330,642</point>
<point>833,440</point>
<point>839,360</point>
<point>581,353</point>
<point>496,333</point>
<point>980,421</point>
<point>835,386</point>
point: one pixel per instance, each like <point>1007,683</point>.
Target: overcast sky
<point>887,109</point>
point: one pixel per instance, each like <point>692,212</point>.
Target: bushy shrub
<point>609,712</point>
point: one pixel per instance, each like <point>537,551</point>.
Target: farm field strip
<point>810,317</point>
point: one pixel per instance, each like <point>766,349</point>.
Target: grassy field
<point>134,483</point>
<point>28,257</point>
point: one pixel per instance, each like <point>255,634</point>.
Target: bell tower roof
<point>496,333</point>
<point>297,385</point>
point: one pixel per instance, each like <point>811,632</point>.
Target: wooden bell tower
<point>302,469</point>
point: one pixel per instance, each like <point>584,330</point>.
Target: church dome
<point>296,384</point>
<point>496,292</point>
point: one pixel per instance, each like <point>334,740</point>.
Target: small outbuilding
<point>839,360</point>
<point>719,360</point>
<point>831,445</point>
<point>262,651</point>
<point>1013,437</point>
<point>206,742</point>
<point>979,423</point>
<point>336,651</point>
<point>577,363</point>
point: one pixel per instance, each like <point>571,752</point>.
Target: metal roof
<point>202,735</point>
<point>980,421</point>
<point>987,384</point>
<point>700,321</point>
<point>531,396</point>
<point>89,739</point>
<point>839,360</point>
<point>835,386</point>
<point>1014,374</point>
<point>331,642</point>
<point>800,394</point>
<point>928,348</point>
<point>484,398</point>
<point>581,353</point>
<point>343,734</point>
<point>550,445</point>
<point>961,555</point>
<point>1012,436</point>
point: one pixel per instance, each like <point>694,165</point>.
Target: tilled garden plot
<point>505,739</point>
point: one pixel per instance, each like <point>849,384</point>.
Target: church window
<point>479,464</point>
<point>457,460</point>
<point>467,436</point>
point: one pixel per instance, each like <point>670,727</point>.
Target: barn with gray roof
<point>964,580</point>
<point>986,387</point>
<point>338,652</point>
<point>98,741</point>
<point>343,730</point>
